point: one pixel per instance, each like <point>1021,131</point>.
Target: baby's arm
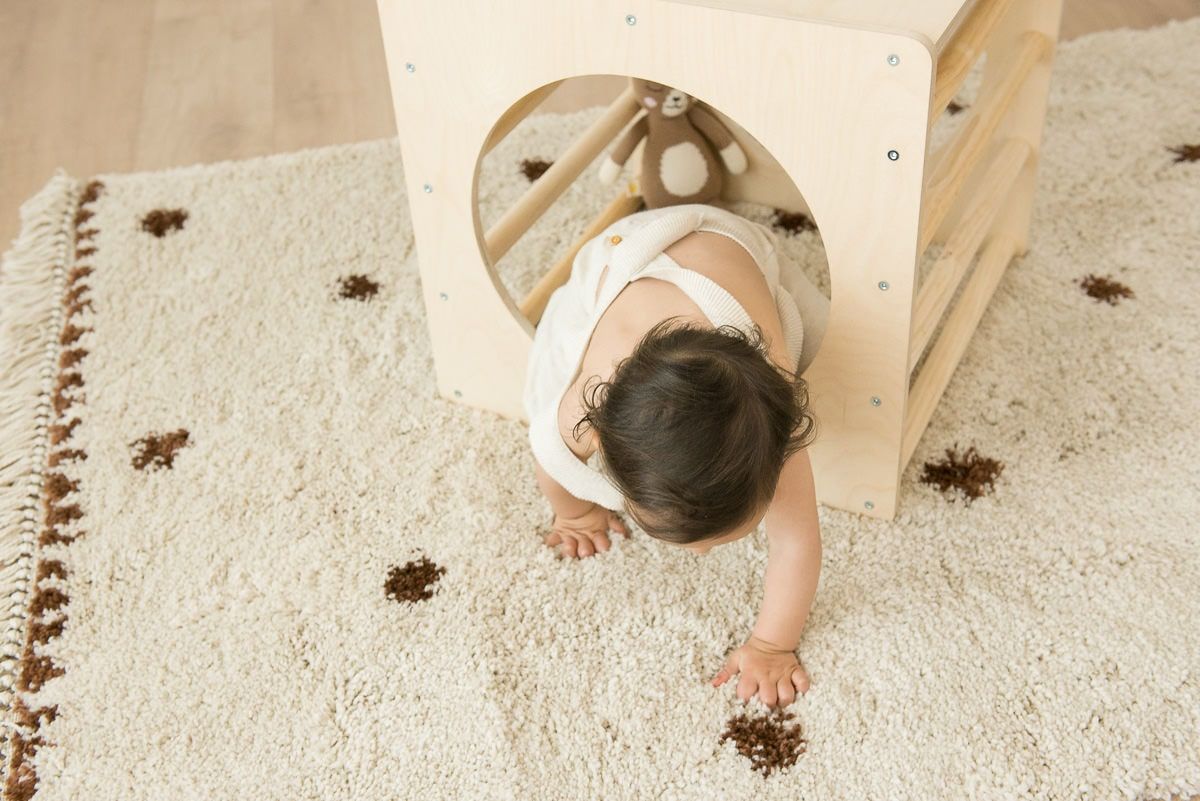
<point>794,557</point>
<point>580,526</point>
<point>562,502</point>
<point>767,661</point>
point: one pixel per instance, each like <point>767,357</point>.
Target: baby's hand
<point>584,535</point>
<point>774,675</point>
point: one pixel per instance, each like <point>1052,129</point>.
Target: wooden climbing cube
<point>833,103</point>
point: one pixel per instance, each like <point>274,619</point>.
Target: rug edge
<point>32,280</point>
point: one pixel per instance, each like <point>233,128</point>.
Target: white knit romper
<point>573,310</point>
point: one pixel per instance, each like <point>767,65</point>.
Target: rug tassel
<point>32,282</point>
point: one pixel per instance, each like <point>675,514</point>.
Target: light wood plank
<point>963,50</point>
<point>565,169</point>
<point>952,342</point>
<point>71,85</point>
<point>227,42</point>
<point>956,160</point>
<point>960,250</point>
<point>534,304</point>
<point>930,20</point>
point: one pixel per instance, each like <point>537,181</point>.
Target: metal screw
<point>410,67</point>
<point>869,505</point>
<point>457,394</point>
<point>875,401</point>
<point>630,19</point>
<point>445,296</point>
<point>893,59</point>
<point>884,285</point>
<point>893,155</point>
<point>428,188</point>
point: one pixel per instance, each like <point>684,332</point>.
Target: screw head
<point>893,155</point>
<point>410,67</point>
<point>445,296</point>
<point>630,19</point>
<point>428,188</point>
<point>868,504</point>
<point>875,401</point>
<point>893,59</point>
<point>457,394</point>
<point>884,285</point>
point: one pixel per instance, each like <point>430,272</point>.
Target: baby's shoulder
<point>570,411</point>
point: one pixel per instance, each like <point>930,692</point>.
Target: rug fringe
<point>32,280</point>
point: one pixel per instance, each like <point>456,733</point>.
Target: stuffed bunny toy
<point>678,163</point>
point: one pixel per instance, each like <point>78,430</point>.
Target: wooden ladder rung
<point>944,276</point>
<point>960,54</point>
<point>565,169</point>
<point>957,159</point>
<point>960,326</point>
<point>517,112</point>
<point>535,302</point>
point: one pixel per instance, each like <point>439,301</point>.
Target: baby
<point>671,359</point>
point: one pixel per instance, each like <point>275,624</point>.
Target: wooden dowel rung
<point>565,169</point>
<point>944,276</point>
<point>960,326</point>
<point>958,158</point>
<point>517,112</point>
<point>960,54</point>
<point>535,302</point>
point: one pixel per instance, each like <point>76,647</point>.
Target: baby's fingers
<point>728,669</point>
<point>800,679</point>
<point>747,687</point>
<point>600,541</point>
<point>617,524</point>
<point>569,546</point>
<point>787,691</point>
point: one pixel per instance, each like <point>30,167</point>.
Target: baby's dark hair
<point>694,427</point>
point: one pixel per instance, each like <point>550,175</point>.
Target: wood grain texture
<point>129,85</point>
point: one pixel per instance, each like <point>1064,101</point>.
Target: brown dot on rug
<point>533,168</point>
<point>971,473</point>
<point>59,432</point>
<point>412,581</point>
<point>60,400</point>
<point>954,107</point>
<point>158,449</point>
<point>358,287</point>
<point>22,779</point>
<point>70,333</point>
<point>160,221</point>
<point>46,599</point>
<point>1186,153</point>
<point>35,670</point>
<point>69,358</point>
<point>73,454</point>
<point>50,567</point>
<point>32,718</point>
<point>91,192</point>
<point>768,741</point>
<point>56,486</point>
<point>793,222</point>
<point>72,302</point>
<point>1104,288</point>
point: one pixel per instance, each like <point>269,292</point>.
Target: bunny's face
<point>659,99</point>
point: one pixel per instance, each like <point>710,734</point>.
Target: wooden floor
<point>130,85</point>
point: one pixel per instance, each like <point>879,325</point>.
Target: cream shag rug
<point>274,564</point>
